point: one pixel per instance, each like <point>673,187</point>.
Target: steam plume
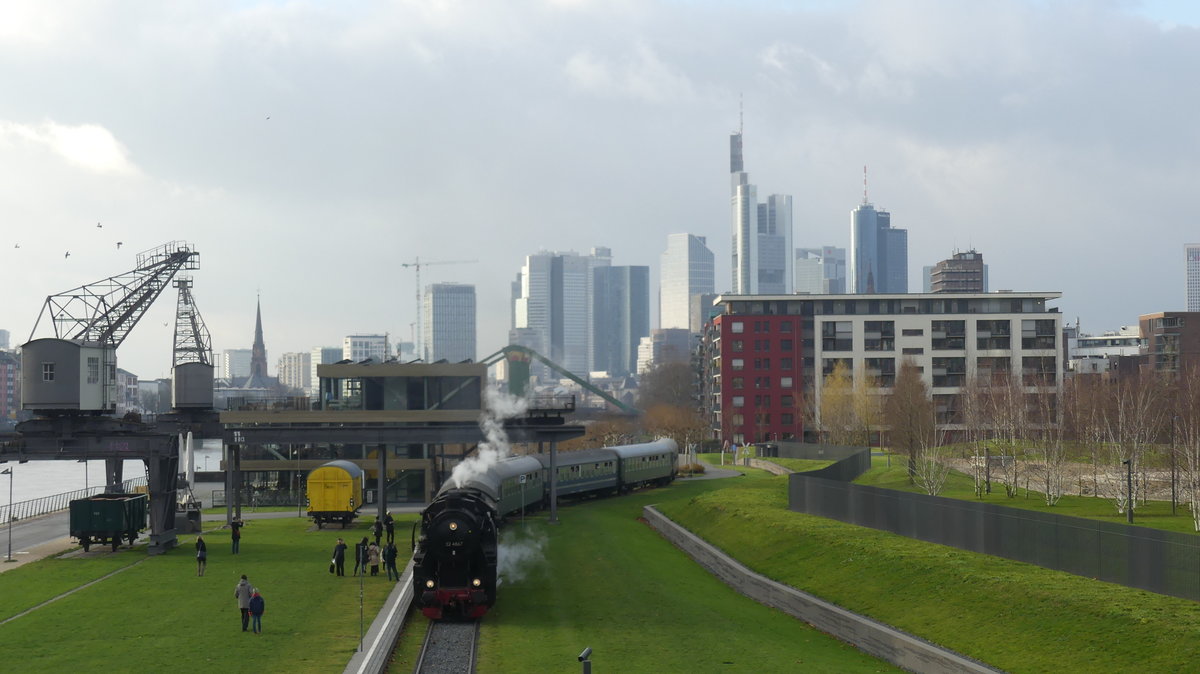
<point>500,406</point>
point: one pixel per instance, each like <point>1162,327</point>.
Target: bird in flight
<point>67,255</point>
<point>119,244</point>
<point>17,246</point>
<point>99,225</point>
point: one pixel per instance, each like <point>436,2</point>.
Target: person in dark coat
<point>389,561</point>
<point>201,555</point>
<point>360,556</point>
<point>378,530</point>
<point>257,607</point>
<point>390,525</point>
<point>243,592</point>
<point>339,557</point>
<point>235,528</point>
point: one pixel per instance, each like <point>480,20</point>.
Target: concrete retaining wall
<point>381,636</point>
<point>773,468</point>
<point>875,638</point>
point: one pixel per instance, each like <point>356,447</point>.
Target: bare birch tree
<point>1187,438</point>
<point>909,414</point>
<point>977,425</point>
<point>1132,424</point>
<point>1046,426</point>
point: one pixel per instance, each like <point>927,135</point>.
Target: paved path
<point>35,538</point>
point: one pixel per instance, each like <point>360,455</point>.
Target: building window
<point>837,336</point>
<point>785,363</point>
<point>737,327</point>
<point>1037,334</point>
<point>787,401</point>
<point>912,351</point>
<point>879,336</point>
<point>47,371</point>
<point>738,345</point>
<point>738,382</point>
<point>739,401</point>
<point>787,418</point>
<point>949,371</point>
<point>786,344</point>
<point>1039,370</point>
<point>785,382</point>
<point>948,335</point>
<point>882,370</point>
<point>93,370</point>
<point>948,408</point>
<point>993,334</point>
<point>785,326</point>
<point>912,332</point>
<point>828,365</point>
<point>991,368</point>
<point>762,382</point>
<point>738,363</point>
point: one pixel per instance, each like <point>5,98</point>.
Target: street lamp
<point>9,473</point>
<point>1128,490</point>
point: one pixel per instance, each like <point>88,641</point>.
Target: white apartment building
<point>235,363</point>
<point>1193,276</point>
<point>320,355</point>
<point>361,347</point>
<point>295,370</point>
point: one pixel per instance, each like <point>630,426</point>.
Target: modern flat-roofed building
<point>1171,341</point>
<point>449,322</point>
<point>766,355</point>
<point>1193,276</point>
<point>961,273</point>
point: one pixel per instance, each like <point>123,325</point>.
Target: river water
<point>46,478</point>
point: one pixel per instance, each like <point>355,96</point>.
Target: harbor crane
<point>416,264</point>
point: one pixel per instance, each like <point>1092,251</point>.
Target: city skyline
<point>293,143</point>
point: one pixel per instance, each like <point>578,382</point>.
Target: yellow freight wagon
<point>335,493</point>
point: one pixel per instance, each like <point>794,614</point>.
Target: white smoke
<point>520,553</point>
<point>500,406</point>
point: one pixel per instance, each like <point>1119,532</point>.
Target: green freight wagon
<point>108,518</point>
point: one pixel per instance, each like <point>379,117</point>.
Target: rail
<point>45,505</point>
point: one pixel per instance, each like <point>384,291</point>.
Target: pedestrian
<point>339,557</point>
<point>390,524</point>
<point>257,606</point>
<point>373,557</point>
<point>378,527</point>
<point>360,556</point>
<point>201,555</point>
<point>243,592</point>
<point>236,528</point>
<point>389,561</point>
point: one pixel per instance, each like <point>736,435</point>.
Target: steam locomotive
<point>455,555</point>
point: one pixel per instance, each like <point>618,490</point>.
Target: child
<point>257,606</point>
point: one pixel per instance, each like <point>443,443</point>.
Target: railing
<point>24,510</point>
<point>253,498</point>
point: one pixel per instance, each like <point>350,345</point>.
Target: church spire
<point>258,354</point>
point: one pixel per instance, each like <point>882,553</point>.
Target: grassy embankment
<point>1153,514</point>
<point>161,615</point>
<point>607,581</point>
<point>1015,616</point>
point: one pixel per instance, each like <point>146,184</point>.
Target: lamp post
<point>9,473</point>
<point>1128,490</point>
<point>1173,497</point>
<point>299,496</point>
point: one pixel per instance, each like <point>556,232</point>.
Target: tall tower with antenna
<point>762,256</point>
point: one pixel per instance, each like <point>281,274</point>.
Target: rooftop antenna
<point>741,114</point>
<point>865,184</point>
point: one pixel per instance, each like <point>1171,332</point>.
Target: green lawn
<point>1018,617</point>
<point>1153,514</point>
<point>605,580</point>
<point>161,612</point>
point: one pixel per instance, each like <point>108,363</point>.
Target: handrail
<point>24,510</point>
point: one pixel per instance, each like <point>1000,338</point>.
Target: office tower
<point>449,322</point>
<point>235,364</point>
<point>762,233</point>
<point>295,370</point>
<point>622,317</point>
<point>927,279</point>
<point>361,347</point>
<point>553,315</point>
<point>4,340</point>
<point>320,355</point>
<point>820,270</point>
<point>1193,276</point>
<point>702,311</point>
<point>961,273</point>
<point>685,269</point>
<point>878,253</point>
<point>668,345</point>
<point>10,378</point>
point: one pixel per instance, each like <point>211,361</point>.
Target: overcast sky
<point>306,149</point>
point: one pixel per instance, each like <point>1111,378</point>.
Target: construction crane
<point>105,311</point>
<point>416,264</point>
<point>192,341</point>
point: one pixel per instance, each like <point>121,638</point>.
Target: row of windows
<point>738,327</point>
<point>739,345</point>
<point>944,335</point>
<point>763,419</point>
<point>785,364</point>
<point>952,371</point>
<point>785,401</point>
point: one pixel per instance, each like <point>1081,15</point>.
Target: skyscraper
<point>622,317</point>
<point>1193,276</point>
<point>820,271</point>
<point>685,269</point>
<point>235,364</point>
<point>878,253</point>
<point>449,322</point>
<point>762,233</point>
<point>295,370</point>
<point>553,314</point>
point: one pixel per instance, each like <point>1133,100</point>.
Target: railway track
<point>449,648</point>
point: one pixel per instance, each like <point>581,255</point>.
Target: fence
<point>24,510</point>
<point>1149,559</point>
<point>253,498</point>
